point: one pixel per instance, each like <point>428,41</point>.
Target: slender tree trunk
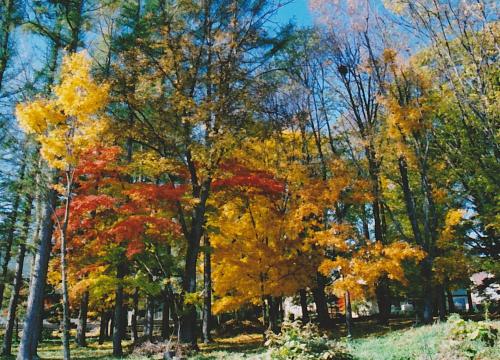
<point>11,317</point>
<point>281,310</point>
<point>32,323</point>
<point>76,26</point>
<point>135,311</point>
<point>64,281</point>
<point>265,316</point>
<point>10,237</point>
<point>348,313</point>
<point>18,280</point>
<point>207,296</point>
<point>451,304</point>
<point>149,326</point>
<point>118,313</point>
<point>441,299</point>
<point>366,230</point>
<point>303,305</point>
<point>81,331</point>
<point>4,38</point>
<point>382,290</point>
<point>111,327</point>
<point>409,201</point>
<point>469,302</point>
<point>165,316</point>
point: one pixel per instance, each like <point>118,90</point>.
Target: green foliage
<point>304,342</point>
<point>470,340</point>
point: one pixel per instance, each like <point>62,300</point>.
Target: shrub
<point>297,341</point>
<point>469,340</point>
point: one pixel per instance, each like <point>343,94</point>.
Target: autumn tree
<point>196,72</point>
<point>460,46</point>
<point>65,126</point>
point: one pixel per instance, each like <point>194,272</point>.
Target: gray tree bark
<point>10,235</point>
<point>135,310</point>
<point>207,295</point>
<point>149,326</point>
<point>18,280</point>
<point>32,323</point>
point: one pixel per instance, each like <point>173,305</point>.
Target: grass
<point>408,344</point>
<point>399,341</point>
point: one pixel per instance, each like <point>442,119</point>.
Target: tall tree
<point>65,126</point>
<point>212,45</point>
<point>18,280</point>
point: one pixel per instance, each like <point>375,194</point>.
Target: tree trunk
<point>18,280</point>
<point>76,25</point>
<point>124,322</point>
<point>273,315</point>
<point>4,39</point>
<point>149,326</point>
<point>281,310</point>
<point>207,296</point>
<point>11,317</point>
<point>321,304</point>
<point>451,304</point>
<point>428,293</point>
<point>383,301</point>
<point>111,324</point>
<point>441,301</point>
<point>10,237</point>
<point>165,316</point>
<point>103,327</point>
<point>303,305</point>
<point>382,290</point>
<point>118,313</point>
<point>469,302</point>
<point>364,218</point>
<point>348,313</point>
<point>409,201</point>
<point>188,318</point>
<point>265,314</point>
<point>32,323</point>
<point>81,331</point>
<point>135,311</point>
<point>64,281</point>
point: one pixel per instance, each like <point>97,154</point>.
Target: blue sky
<point>297,11</point>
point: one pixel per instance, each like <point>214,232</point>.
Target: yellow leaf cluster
<point>69,122</point>
<point>361,271</point>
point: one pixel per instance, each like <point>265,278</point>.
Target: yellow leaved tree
<point>65,126</point>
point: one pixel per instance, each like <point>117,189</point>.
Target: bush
<point>470,340</point>
<point>297,341</point>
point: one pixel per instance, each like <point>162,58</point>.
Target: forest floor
<point>400,340</point>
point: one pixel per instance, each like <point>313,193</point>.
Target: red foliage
<point>242,176</point>
<point>134,228</point>
<point>107,208</point>
<point>85,204</point>
<point>152,193</point>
